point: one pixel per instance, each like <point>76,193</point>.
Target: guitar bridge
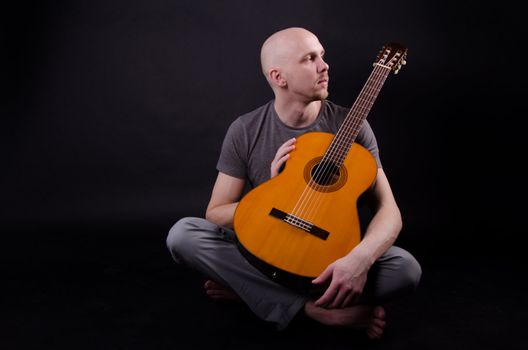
<point>300,223</point>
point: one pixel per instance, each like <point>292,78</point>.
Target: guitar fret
<point>347,134</point>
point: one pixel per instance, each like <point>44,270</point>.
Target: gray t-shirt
<point>253,139</point>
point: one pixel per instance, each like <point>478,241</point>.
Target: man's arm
<point>224,199</point>
<point>228,189</point>
<point>348,274</point>
<point>386,222</point>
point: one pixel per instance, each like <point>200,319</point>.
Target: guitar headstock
<point>392,56</point>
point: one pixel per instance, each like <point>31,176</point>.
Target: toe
<point>379,312</point>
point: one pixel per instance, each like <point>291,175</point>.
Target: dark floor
<point>119,289</point>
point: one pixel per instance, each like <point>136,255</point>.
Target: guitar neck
<point>348,131</point>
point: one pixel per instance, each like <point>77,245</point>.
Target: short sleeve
<point>233,157</point>
<point>367,139</point>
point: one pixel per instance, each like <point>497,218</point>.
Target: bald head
<point>281,47</point>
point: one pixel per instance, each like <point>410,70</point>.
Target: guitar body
<point>297,223</point>
<point>331,207</point>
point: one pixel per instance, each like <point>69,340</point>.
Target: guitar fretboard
<point>348,131</point>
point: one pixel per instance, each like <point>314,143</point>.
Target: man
<point>255,148</point>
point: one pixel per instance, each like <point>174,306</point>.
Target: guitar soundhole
<point>324,176</point>
<point>325,173</point>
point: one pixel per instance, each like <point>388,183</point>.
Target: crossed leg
<point>371,319</point>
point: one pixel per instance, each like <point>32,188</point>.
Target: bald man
<point>256,146</point>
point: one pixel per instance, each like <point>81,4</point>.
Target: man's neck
<point>297,114</point>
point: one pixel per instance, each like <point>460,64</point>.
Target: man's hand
<point>282,155</point>
<point>348,276</point>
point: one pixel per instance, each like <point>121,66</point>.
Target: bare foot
<point>217,291</point>
<point>369,318</point>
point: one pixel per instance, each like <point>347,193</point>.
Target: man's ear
<point>277,78</point>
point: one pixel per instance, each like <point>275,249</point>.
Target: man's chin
<point>319,96</point>
<point>323,95</point>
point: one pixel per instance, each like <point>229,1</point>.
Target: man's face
<point>306,72</point>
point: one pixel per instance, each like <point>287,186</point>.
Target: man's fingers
<point>290,141</point>
<point>282,160</point>
<point>282,156</point>
<point>348,300</point>
<point>327,297</point>
<point>275,166</point>
<point>286,147</point>
<point>324,275</point>
<point>284,151</point>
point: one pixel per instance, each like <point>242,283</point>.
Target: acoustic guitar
<point>297,223</point>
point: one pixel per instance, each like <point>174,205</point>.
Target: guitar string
<point>338,148</point>
<point>336,155</point>
<point>312,187</point>
<point>336,159</point>
<point>346,143</point>
<point>325,166</point>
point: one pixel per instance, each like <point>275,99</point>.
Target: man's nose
<point>323,66</point>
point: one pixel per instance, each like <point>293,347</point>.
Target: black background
<point>113,113</point>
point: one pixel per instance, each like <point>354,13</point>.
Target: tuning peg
<point>403,62</point>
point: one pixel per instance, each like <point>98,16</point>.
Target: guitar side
<point>333,209</point>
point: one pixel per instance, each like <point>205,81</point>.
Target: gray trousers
<point>211,250</point>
